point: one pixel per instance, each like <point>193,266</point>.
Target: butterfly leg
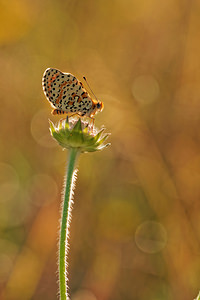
<point>58,112</point>
<point>73,115</point>
<point>62,112</point>
<point>92,122</point>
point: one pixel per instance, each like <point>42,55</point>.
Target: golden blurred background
<point>135,232</point>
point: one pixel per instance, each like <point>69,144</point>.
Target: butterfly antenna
<point>90,87</point>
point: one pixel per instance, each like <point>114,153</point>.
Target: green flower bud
<point>78,134</point>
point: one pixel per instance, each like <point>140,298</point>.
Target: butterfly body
<point>67,94</point>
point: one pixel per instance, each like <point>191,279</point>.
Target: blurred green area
<point>135,232</point>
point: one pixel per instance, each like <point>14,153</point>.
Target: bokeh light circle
<point>40,129</point>
<point>150,237</point>
<point>43,189</point>
<point>84,295</point>
<point>145,89</point>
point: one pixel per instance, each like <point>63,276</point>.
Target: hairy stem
<point>64,231</point>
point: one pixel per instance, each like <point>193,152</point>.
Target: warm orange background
<point>135,233</point>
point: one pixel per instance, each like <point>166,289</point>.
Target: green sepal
<point>79,135</point>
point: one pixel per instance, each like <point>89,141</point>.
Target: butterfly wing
<point>65,92</point>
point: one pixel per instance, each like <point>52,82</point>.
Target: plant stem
<point>64,231</point>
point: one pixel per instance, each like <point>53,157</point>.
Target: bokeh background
<point>135,232</point>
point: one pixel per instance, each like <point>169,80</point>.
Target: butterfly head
<point>99,106</point>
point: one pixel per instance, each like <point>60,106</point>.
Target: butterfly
<point>67,95</point>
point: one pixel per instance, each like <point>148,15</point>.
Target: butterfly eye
<point>98,105</point>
